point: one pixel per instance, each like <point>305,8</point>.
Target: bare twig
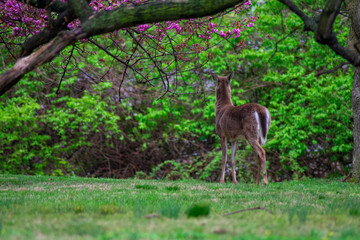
<point>282,39</point>
<point>126,67</point>
<point>249,209</point>
<point>159,69</point>
<point>8,48</point>
<point>319,73</point>
<point>67,63</point>
<point>118,59</point>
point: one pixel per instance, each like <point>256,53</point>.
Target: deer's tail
<point>263,120</point>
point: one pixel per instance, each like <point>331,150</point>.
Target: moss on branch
<point>108,21</point>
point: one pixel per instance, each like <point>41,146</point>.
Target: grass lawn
<point>34,207</point>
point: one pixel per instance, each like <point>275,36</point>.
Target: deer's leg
<point>224,158</point>
<point>258,171</point>
<point>262,158</point>
<point>265,180</point>
<point>233,153</point>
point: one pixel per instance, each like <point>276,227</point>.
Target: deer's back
<point>234,122</point>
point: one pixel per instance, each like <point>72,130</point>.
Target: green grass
<point>33,207</point>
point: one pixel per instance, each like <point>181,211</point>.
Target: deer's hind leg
<point>253,141</point>
<point>224,158</point>
<point>258,170</point>
<point>233,153</point>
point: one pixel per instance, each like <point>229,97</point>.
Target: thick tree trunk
<point>353,6</point>
<point>356,111</point>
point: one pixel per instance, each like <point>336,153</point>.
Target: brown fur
<point>234,123</point>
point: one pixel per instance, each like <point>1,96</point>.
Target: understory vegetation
<point>44,207</point>
<point>95,119</point>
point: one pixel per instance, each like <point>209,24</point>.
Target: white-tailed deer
<point>250,121</point>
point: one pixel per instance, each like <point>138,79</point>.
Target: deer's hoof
<point>222,181</point>
<point>235,182</point>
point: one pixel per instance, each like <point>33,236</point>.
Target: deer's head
<point>222,85</point>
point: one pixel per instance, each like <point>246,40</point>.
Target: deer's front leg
<point>233,153</point>
<point>224,158</point>
<point>265,180</point>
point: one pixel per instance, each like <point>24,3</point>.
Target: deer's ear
<point>216,78</point>
<point>230,77</point>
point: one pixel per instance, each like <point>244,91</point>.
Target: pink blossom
<point>250,25</point>
<point>143,27</point>
<point>174,25</point>
<point>236,31</point>
<point>212,25</point>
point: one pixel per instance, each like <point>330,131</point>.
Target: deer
<point>249,121</point>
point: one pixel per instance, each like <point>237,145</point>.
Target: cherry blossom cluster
<point>204,28</point>
<point>21,19</point>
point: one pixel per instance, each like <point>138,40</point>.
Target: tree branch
<point>321,72</point>
<point>323,30</point>
<point>109,21</point>
<point>310,23</point>
<point>48,33</point>
<point>282,39</point>
<point>116,58</point>
<point>41,56</point>
<point>157,11</point>
<point>64,72</point>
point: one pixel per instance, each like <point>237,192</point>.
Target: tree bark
<point>41,56</point>
<point>353,7</point>
<point>356,111</point>
<point>109,21</point>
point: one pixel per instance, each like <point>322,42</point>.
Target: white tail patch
<point>259,128</point>
<point>267,123</point>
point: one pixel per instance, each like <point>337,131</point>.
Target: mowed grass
<point>33,207</point>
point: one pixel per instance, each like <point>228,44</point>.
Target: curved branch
<point>323,30</point>
<point>310,23</point>
<point>48,33</point>
<point>41,56</point>
<point>157,11</point>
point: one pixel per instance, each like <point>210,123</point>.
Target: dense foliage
<point>105,122</point>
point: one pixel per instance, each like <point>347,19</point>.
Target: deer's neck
<point>222,100</point>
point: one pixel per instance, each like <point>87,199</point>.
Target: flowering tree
<point>44,28</point>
